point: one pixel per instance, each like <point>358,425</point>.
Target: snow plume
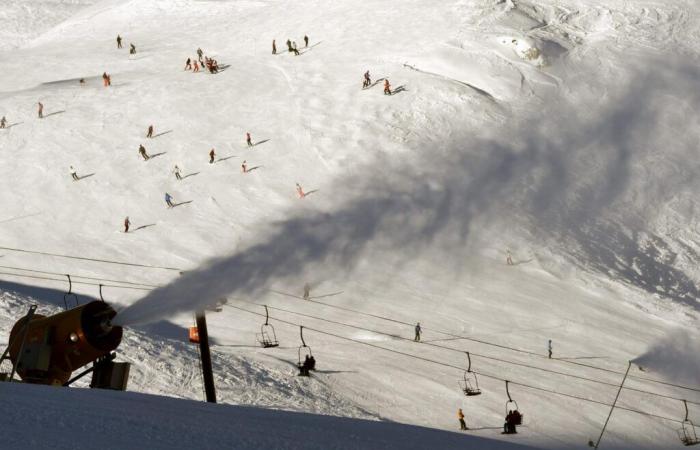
<point>675,357</point>
<point>576,174</point>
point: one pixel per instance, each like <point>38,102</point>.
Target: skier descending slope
<point>387,87</point>
<point>74,174</point>
<point>119,41</point>
<point>248,140</point>
<point>300,191</point>
<point>418,332</point>
<point>132,49</point>
<point>149,133</point>
<point>127,223</point>
<point>169,200</point>
<point>274,47</point>
<point>176,171</point>
<point>244,167</point>
<point>3,122</point>
<point>188,64</point>
<point>41,110</point>
<point>367,81</point>
<point>212,155</point>
<point>142,152</point>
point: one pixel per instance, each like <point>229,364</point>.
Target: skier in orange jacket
<point>387,87</point>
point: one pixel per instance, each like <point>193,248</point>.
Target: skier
<point>387,87</point>
<point>41,110</point>
<point>199,54</point>
<point>274,47</point>
<point>196,67</point>
<point>418,331</point>
<point>74,174</point>
<point>460,416</point>
<point>248,139</point>
<point>132,49</point>
<point>3,122</point>
<point>119,41</point>
<point>509,258</point>
<point>106,79</point>
<point>549,348</point>
<point>289,46</point>
<point>212,155</point>
<point>142,152</point>
<point>127,223</point>
<point>169,200</point>
<point>176,171</point>
<point>300,191</point>
<point>149,134</point>
<point>306,41</point>
<point>244,167</point>
<point>188,64</point>
<point>307,291</point>
<point>367,81</point>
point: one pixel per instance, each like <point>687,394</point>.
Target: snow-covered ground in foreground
<point>72,418</point>
<point>563,130</point>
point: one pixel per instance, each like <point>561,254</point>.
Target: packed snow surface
<point>563,133</point>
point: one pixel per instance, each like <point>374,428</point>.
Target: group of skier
<point>291,46</point>
<point>211,64</point>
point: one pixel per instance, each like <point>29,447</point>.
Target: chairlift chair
<point>470,384</point>
<point>687,432</point>
<point>304,352</point>
<point>267,337</point>
<point>70,296</point>
<point>512,405</point>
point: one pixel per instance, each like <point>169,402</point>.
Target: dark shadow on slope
<point>161,134</point>
<point>190,175</point>
<point>144,226</point>
<point>82,177</point>
<point>155,155</point>
<point>260,142</point>
<point>399,90</point>
<point>175,205</point>
<point>46,295</point>
<point>53,113</point>
<point>13,125</point>
<point>525,261</point>
<point>224,159</point>
<point>253,168</point>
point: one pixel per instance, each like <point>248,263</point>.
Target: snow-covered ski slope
<point>565,131</point>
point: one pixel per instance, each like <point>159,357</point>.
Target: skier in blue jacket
<point>169,200</point>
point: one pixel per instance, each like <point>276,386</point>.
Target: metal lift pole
<point>207,373</point>
<point>613,405</point>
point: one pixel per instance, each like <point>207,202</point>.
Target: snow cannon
<point>48,349</point>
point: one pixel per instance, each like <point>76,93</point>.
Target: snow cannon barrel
<point>57,345</point>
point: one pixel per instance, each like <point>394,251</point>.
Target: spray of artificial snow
<point>521,178</point>
<point>675,357</point>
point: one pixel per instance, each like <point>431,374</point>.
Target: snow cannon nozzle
<point>53,347</point>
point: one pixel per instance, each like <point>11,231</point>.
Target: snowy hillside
<point>564,132</point>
